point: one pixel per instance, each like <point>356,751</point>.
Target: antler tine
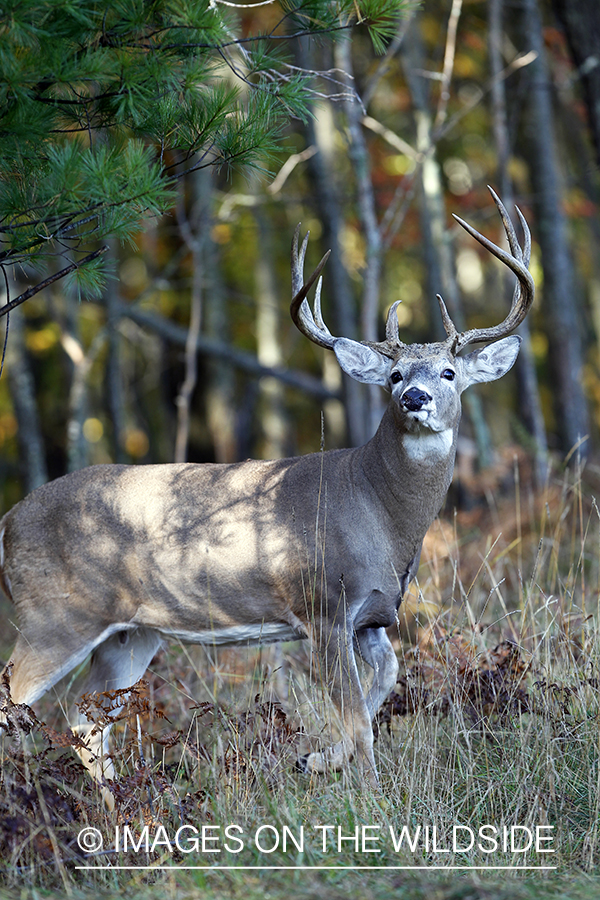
<point>526,254</point>
<point>392,343</point>
<point>298,260</point>
<point>509,228</point>
<point>311,326</point>
<point>527,234</point>
<point>521,254</point>
<point>392,330</point>
<point>449,326</point>
<point>517,261</point>
<point>318,316</point>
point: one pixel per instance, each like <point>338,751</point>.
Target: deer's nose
<point>414,398</point>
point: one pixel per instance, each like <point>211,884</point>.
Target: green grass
<point>479,734</point>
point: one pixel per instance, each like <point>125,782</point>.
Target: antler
<point>518,261</point>
<point>312,325</point>
<point>314,328</point>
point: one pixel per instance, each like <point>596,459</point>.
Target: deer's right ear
<point>362,362</point>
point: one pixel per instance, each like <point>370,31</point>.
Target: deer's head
<point>425,380</point>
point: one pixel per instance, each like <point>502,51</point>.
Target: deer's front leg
<point>340,675</point>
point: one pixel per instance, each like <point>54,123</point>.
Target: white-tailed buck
<point>113,560</point>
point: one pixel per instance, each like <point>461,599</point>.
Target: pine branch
<point>36,288</point>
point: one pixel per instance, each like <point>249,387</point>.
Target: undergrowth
<point>492,732</point>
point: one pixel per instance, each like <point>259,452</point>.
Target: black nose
<point>414,399</point>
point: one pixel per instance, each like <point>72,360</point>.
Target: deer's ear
<point>361,362</point>
<point>491,362</point>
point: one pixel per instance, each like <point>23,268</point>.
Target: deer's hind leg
<point>376,650</point>
<point>340,675</point>
<point>117,663</point>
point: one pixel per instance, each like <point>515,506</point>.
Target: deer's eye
<point>449,374</point>
<point>395,377</point>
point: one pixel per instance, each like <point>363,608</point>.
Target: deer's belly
<point>261,633</point>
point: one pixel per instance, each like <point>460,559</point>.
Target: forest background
<point>187,350</point>
<point>150,185</point>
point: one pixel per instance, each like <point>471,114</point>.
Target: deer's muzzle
<point>414,399</point>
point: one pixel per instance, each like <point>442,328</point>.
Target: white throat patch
<point>424,443</point>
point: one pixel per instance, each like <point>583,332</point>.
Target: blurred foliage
<point>125,79</point>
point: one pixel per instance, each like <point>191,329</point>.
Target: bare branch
<point>177,334</point>
<point>288,167</point>
<point>393,139</point>
<point>449,53</point>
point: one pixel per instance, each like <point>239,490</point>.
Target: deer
<point>113,560</point>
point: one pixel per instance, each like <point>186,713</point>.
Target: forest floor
<point>488,749</point>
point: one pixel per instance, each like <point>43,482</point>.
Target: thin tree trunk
<point>70,338</point>
<point>321,166</point>
<point>530,406</point>
<point>359,156</point>
<point>22,390</point>
<point>560,293</point>
<point>220,390</point>
<point>436,238</point>
<point>114,367</point>
<point>581,22</point>
<point>192,232</point>
<point>268,330</point>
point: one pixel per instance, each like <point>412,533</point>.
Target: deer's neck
<point>410,470</point>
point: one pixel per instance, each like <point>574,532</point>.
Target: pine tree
<point>105,103</point>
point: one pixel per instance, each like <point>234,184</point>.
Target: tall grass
<point>494,723</point>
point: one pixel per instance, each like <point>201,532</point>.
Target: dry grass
<point>494,721</point>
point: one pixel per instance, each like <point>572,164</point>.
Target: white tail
<point>112,560</point>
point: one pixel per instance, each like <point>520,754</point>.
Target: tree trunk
<point>193,233</point>
<point>561,299</point>
<point>439,260</point>
<point>319,132</point>
<point>114,365</point>
<point>220,387</point>
<point>441,277</point>
<point>530,405</point>
<point>77,446</point>
<point>580,20</point>
<point>359,156</point>
<point>273,421</point>
<point>22,390</point>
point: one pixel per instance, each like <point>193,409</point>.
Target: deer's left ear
<point>491,362</point>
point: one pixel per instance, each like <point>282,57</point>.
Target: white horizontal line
<point>323,868</point>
